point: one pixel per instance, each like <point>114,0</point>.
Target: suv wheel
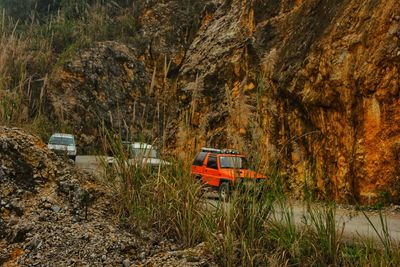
<point>198,178</point>
<point>224,191</point>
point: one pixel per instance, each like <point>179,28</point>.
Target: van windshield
<point>143,152</point>
<point>230,162</point>
<point>59,140</point>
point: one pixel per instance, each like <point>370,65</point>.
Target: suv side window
<point>212,162</point>
<point>198,161</point>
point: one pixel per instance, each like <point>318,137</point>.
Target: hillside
<point>309,88</point>
<point>52,213</point>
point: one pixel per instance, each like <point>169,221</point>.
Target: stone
<point>55,208</point>
<point>395,208</point>
<point>86,236</point>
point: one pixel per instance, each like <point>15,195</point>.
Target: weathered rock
<point>127,86</point>
<point>311,87</point>
<point>66,220</point>
<point>106,83</point>
<point>196,256</point>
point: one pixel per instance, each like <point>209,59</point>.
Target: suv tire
<point>198,178</point>
<point>224,191</point>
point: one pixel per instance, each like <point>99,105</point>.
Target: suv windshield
<point>58,140</point>
<point>230,162</point>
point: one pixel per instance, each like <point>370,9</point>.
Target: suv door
<point>198,165</point>
<point>211,171</point>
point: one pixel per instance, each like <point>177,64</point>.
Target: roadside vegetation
<point>36,37</point>
<point>255,228</point>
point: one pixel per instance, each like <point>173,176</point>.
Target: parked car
<point>141,154</point>
<point>224,170</point>
<point>63,144</point>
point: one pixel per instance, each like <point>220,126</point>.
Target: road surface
<point>354,223</point>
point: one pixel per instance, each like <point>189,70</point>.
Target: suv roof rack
<point>230,151</point>
<point>212,150</point>
<point>220,151</point>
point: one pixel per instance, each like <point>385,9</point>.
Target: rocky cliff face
<point>127,86</point>
<point>311,86</point>
<point>106,83</point>
<point>312,83</point>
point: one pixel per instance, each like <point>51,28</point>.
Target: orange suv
<point>223,169</point>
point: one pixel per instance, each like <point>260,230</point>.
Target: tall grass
<point>165,199</point>
<point>257,227</point>
<point>383,235</point>
<point>236,230</point>
<point>38,39</point>
<point>14,78</point>
<point>324,234</point>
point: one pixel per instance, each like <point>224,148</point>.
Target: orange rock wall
<point>308,87</point>
<point>314,85</point>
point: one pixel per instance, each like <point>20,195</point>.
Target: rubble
<point>53,214</point>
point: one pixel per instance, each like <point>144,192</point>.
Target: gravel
<point>52,214</point>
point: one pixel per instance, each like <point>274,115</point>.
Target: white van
<point>141,152</point>
<point>63,144</point>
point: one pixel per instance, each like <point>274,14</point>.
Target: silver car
<point>63,144</point>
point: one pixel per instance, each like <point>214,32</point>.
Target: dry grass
<point>255,228</point>
<point>165,199</point>
<point>31,48</point>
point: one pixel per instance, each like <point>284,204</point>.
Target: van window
<point>212,162</point>
<point>143,152</point>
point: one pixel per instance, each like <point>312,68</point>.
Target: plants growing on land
<point>256,228</point>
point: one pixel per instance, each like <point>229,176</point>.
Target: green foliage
<point>322,225</point>
<point>75,9</point>
<point>282,231</point>
<point>64,35</point>
<point>41,126</point>
<point>27,11</point>
<point>9,107</point>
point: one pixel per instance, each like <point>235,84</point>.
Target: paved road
<point>355,223</point>
<point>89,163</point>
